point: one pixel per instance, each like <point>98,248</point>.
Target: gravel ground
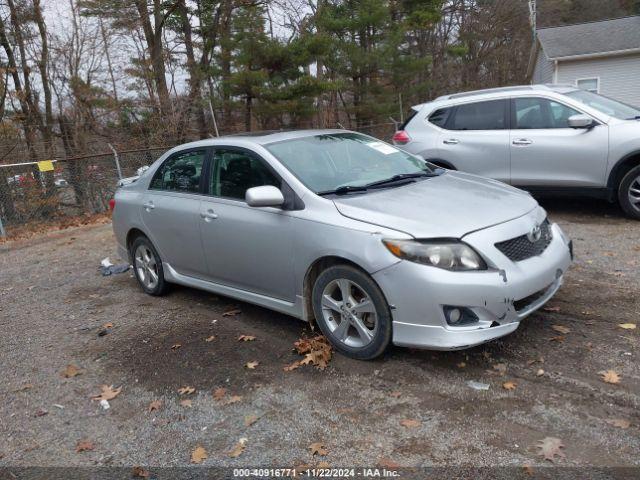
<point>54,304</point>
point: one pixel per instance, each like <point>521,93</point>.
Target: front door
<point>171,212</point>
<point>545,151</point>
<point>246,247</point>
<point>475,138</point>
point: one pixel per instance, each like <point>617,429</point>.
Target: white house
<point>602,57</point>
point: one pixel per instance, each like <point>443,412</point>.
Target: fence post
<point>117,160</point>
<point>2,232</point>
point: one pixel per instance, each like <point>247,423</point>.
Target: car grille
<point>524,303</point>
<point>521,248</point>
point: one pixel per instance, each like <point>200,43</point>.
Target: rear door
<point>171,211</point>
<point>474,137</point>
<point>546,152</point>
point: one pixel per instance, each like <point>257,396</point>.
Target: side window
<point>532,113</point>
<point>488,115</point>
<point>236,171</point>
<point>440,117</point>
<point>180,172</point>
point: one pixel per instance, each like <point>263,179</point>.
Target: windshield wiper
<point>400,177</point>
<point>343,190</point>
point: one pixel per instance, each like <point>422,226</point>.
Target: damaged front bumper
<point>500,297</point>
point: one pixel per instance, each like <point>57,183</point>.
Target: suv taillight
<point>112,204</point>
<point>401,137</point>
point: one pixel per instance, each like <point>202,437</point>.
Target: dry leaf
<point>233,399</point>
<point>540,372</point>
<point>155,405</point>
<point>187,403</point>
<point>250,420</point>
<point>231,313</point>
<point>509,385</point>
<point>84,446</point>
<point>528,469</point>
<point>395,394</point>
<point>252,365</point>
<point>550,447</point>
<point>610,376</point>
<point>176,346</point>
<point>561,329</point>
<point>318,448</point>
<point>210,339</point>
<point>108,325</point>
<point>627,326</point>
<point>461,365</point>
<point>186,390</point>
<point>71,371</point>
<point>619,422</point>
<point>198,455</point>
<point>293,366</point>
<point>551,309</point>
<point>559,338</point>
<point>108,393</point>
<point>317,351</point>
<point>139,472</point>
<point>219,393</point>
<point>246,338</point>
<point>410,423</point>
<point>237,450</point>
<point>387,463</point>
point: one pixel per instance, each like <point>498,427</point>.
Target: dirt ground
<point>54,305</point>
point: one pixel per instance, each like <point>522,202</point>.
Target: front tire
<point>352,313</point>
<point>629,193</point>
<point>147,266</point>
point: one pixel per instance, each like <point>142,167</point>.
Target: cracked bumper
<point>417,293</point>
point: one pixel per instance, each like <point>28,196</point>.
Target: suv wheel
<point>629,193</point>
<point>147,266</point>
<point>352,312</point>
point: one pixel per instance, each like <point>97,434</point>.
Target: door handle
<point>149,206</point>
<point>522,141</point>
<point>451,141</point>
<point>208,215</point>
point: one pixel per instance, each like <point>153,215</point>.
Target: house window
<point>588,84</point>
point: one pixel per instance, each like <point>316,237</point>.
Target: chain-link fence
<point>79,186</point>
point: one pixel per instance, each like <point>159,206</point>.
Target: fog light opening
<point>457,316</point>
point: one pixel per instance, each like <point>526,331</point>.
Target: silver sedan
<point>374,244</point>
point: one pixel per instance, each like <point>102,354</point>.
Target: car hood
<point>450,205</point>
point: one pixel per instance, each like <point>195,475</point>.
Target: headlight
<point>447,254</point>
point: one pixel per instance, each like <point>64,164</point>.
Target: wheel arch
<point>132,234</point>
<point>621,167</point>
<point>441,163</point>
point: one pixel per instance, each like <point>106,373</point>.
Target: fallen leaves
<point>395,394</point>
<point>139,472</point>
<point>316,351</point>
<point>250,420</point>
<point>410,423</point>
<point>155,405</point>
<point>627,326</point>
<point>509,385</point>
<point>318,448</point>
<point>232,313</point>
<point>176,346</point>
<point>561,329</point>
<point>246,338</point>
<point>108,393</point>
<point>84,446</point>
<point>239,447</point>
<point>610,376</point>
<point>198,455</point>
<point>252,365</point>
<point>619,423</point>
<point>186,390</point>
<point>559,338</point>
<point>549,448</point>
<point>210,339</point>
<point>219,395</point>
<point>71,371</point>
<point>387,463</point>
<point>186,403</point>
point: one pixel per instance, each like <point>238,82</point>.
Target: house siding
<point>619,75</point>
<point>543,69</point>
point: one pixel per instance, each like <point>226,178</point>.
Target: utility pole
<point>533,15</point>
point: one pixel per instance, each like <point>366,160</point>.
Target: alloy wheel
<point>146,267</point>
<point>349,313</point>
<point>634,193</point>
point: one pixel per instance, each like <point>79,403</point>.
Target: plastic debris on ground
<point>105,404</point>
<point>478,385</point>
<point>107,268</point>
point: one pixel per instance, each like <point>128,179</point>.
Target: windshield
<point>327,162</point>
<point>605,105</point>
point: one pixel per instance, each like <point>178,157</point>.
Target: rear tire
<point>629,193</point>
<point>147,266</point>
<point>352,313</point>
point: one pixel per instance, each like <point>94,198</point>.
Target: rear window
<point>440,117</point>
<point>490,115</point>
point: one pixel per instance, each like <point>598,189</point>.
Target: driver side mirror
<point>264,196</point>
<point>581,121</point>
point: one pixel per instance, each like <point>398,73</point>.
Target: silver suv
<point>553,139</point>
